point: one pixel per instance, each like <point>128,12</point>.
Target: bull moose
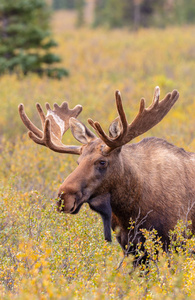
<point>151,182</point>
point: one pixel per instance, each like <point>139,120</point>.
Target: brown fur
<point>152,178</point>
<point>151,182</point>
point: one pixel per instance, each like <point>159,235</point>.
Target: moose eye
<point>102,164</point>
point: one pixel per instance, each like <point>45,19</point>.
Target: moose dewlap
<point>151,182</point>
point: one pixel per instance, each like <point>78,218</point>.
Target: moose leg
<point>101,205</point>
<point>121,234</point>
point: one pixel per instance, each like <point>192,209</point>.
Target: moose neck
<point>125,197</point>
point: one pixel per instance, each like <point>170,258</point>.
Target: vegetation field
<point>47,255</point>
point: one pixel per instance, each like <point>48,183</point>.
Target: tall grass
<point>47,255</point>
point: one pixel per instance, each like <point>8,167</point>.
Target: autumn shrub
<point>48,255</point>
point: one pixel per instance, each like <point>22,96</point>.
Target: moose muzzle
<point>69,200</point>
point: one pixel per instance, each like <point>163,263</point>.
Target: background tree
<point>80,5</point>
<point>123,13</point>
<point>25,39</point>
<point>143,13</point>
<point>63,4</point>
<point>99,8</point>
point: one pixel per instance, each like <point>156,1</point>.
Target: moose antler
<point>121,132</point>
<point>54,125</point>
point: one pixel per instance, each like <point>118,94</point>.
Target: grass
<point>47,255</point>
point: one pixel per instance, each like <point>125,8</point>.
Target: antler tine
<point>47,141</point>
<point>54,125</point>
<point>36,139</point>
<point>61,115</point>
<point>27,122</point>
<point>60,147</point>
<point>121,111</point>
<point>41,114</point>
<point>124,124</point>
<point>156,97</point>
<point>121,132</point>
<point>103,136</point>
<point>151,116</point>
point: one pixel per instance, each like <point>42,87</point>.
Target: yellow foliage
<point>47,255</point>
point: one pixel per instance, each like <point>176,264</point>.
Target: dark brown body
<point>151,178</point>
<point>161,184</point>
<point>151,183</point>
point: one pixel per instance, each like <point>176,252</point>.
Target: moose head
<point>151,178</point>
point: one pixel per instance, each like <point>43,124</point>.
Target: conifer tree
<point>80,5</point>
<point>25,39</point>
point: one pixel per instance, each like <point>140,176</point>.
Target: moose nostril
<point>72,209</point>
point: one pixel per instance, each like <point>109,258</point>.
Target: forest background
<point>47,255</point>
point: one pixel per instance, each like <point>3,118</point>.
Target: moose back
<point>151,182</point>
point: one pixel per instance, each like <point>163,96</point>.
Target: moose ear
<point>80,132</point>
<point>115,128</point>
